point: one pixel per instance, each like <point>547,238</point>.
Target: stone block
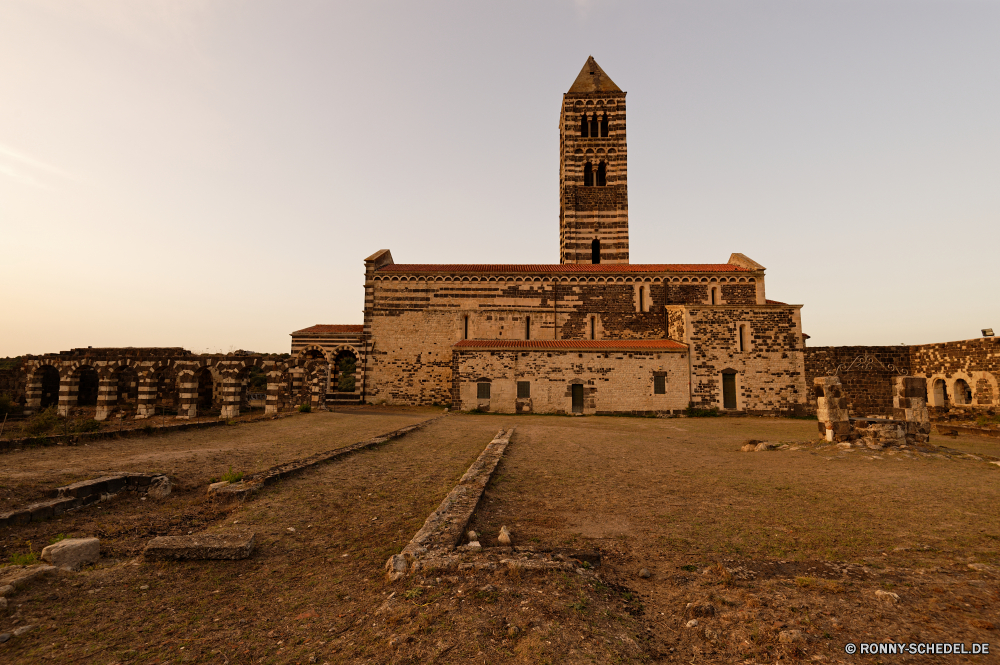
<point>205,546</point>
<point>73,553</point>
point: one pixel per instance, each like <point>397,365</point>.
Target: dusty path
<point>193,457</point>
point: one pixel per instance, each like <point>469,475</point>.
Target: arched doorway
<point>940,393</point>
<point>345,370</point>
<point>963,393</point>
<point>50,385</point>
<point>206,390</point>
<point>167,395</point>
<point>87,385</point>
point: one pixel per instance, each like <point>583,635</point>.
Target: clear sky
<point>211,174</point>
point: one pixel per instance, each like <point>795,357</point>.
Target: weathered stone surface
<point>224,546</point>
<point>159,488</point>
<point>73,553</point>
<point>504,537</point>
<point>790,636</point>
<point>886,597</point>
<point>18,577</point>
<point>6,590</point>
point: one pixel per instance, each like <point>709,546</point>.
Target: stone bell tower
<point>593,172</point>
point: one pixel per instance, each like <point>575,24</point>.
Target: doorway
<point>729,390</point>
<point>577,397</point>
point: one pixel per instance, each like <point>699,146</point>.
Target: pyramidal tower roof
<point>593,79</point>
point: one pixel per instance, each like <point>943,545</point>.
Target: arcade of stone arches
<point>143,383</point>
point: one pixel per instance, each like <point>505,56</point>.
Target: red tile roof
<point>562,267</point>
<point>588,344</point>
<point>324,328</point>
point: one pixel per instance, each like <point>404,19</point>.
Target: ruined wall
<point>614,382</point>
<point>12,382</point>
<point>770,371</point>
<point>975,361</point>
<point>867,386</point>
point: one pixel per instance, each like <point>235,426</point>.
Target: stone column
<point>107,397</point>
<point>33,393</point>
<point>909,401</point>
<point>146,407</point>
<point>230,397</point>
<point>187,396</point>
<point>273,391</point>
<point>69,388</point>
<point>831,409</point>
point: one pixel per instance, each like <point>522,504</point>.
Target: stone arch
<point>343,378</point>
<point>962,392</point>
<point>86,381</point>
<point>43,387</point>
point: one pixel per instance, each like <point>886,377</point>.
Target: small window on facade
<point>593,327</point>
<point>527,327</point>
<point>642,305</point>
<point>659,385</point>
<point>588,175</point>
<point>713,295</point>
<point>595,251</point>
<point>602,174</point>
<point>523,389</point>
<point>595,129</point>
<point>483,391</point>
<point>584,125</point>
<point>465,333</point>
<point>604,125</point>
<point>743,338</point>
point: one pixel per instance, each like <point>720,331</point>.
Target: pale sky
<point>211,174</point>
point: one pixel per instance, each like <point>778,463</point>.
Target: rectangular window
<point>659,385</point>
<point>527,327</point>
<point>593,327</point>
<point>523,389</point>
<point>483,391</point>
<point>729,391</point>
<point>465,333</point>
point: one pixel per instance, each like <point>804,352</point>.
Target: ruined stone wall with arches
<point>171,382</point>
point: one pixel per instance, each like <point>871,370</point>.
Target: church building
<point>591,334</point>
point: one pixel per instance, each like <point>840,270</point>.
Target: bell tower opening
<point>593,153</point>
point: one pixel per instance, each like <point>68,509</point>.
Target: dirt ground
<point>750,545</point>
<point>796,539</point>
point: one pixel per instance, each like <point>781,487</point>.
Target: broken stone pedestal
<point>909,401</point>
<point>225,546</point>
<point>831,409</point>
<point>73,553</point>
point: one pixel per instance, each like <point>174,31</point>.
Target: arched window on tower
<point>604,125</point>
<point>584,125</point>
<point>595,126</point>
<point>588,175</point>
<point>595,251</point>
<point>602,174</point>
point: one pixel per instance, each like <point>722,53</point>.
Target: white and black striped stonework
<point>593,171</point>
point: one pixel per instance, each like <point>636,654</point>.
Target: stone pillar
<point>107,397</point>
<point>273,390</point>
<point>146,407</point>
<point>831,409</point>
<point>230,397</point>
<point>187,396</point>
<point>909,401</point>
<point>320,384</point>
<point>69,388</point>
<point>33,393</point>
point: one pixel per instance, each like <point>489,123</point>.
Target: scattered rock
<point>159,488</point>
<point>790,636</point>
<point>144,587</point>
<point>981,567</point>
<point>214,487</point>
<point>513,631</point>
<point>472,536</point>
<point>766,445</point>
<point>645,574</point>
<point>887,596</point>
<point>843,445</point>
<point>749,448</point>
<point>475,546</point>
<point>22,630</point>
<point>6,590</point>
<point>701,609</point>
<point>291,529</point>
<point>4,637</point>
<point>396,566</point>
<point>73,553</point>
<point>504,537</point>
<point>692,623</point>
